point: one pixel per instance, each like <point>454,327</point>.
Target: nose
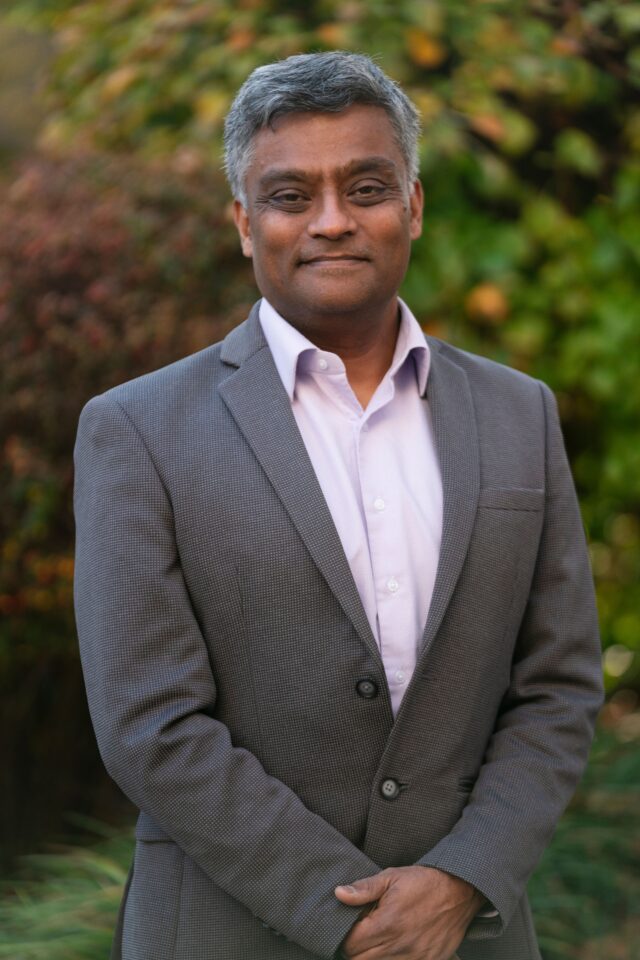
<point>331,217</point>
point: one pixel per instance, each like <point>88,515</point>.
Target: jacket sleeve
<point>151,695</point>
<point>542,736</point>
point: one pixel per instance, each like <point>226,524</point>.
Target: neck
<point>364,344</point>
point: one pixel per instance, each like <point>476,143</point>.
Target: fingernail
<point>346,889</point>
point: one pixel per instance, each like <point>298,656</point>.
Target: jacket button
<point>367,689</point>
<point>390,789</point>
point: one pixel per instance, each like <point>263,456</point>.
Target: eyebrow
<point>365,165</point>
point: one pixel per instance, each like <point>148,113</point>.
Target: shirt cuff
<point>488,912</point>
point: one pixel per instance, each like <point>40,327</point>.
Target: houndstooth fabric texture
<point>222,640</point>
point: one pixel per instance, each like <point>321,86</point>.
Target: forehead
<point>319,145</point>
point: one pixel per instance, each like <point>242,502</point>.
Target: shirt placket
<point>380,497</point>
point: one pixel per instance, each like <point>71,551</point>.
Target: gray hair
<point>314,83</point>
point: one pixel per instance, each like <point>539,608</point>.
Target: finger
<point>363,891</point>
<point>377,952</point>
<point>368,934</point>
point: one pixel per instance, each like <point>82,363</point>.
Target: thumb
<point>363,891</point>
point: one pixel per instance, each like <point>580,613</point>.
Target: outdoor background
<point>117,255</point>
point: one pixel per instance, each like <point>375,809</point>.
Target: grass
<point>65,903</point>
<point>585,894</point>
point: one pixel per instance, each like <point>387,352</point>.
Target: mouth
<point>324,260</point>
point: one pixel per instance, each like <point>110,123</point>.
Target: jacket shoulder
<point>490,377</point>
<point>176,386</point>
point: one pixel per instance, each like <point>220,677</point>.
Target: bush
<point>585,892</point>
<point>107,270</point>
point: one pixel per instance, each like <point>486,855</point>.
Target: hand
<point>418,913</point>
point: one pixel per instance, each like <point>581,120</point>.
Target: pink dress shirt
<point>379,473</point>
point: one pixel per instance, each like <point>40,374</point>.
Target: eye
<point>289,198</point>
<point>368,192</point>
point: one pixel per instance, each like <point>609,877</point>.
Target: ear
<point>241,220</point>
<point>416,203</point>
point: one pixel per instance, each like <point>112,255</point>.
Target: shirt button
<point>390,789</point>
<point>392,585</point>
<point>379,504</point>
<point>399,676</point>
<point>322,363</point>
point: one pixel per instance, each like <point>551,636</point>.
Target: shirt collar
<point>287,345</point>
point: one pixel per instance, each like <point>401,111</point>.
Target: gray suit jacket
<point>223,639</point>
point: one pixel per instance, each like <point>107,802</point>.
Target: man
<point>333,599</point>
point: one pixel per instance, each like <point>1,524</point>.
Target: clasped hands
<point>418,913</point>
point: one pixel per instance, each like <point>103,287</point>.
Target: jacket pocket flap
<point>512,498</point>
<point>148,829</point>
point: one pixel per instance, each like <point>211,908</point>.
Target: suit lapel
<point>259,404</point>
<point>456,437</point>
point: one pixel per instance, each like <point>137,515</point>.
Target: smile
<point>333,261</point>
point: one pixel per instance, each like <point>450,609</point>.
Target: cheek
<point>391,227</point>
<point>272,264</point>
<point>274,246</point>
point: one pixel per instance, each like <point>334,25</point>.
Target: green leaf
<point>576,150</point>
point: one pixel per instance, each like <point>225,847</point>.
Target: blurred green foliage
<point>23,58</point>
<point>585,893</point>
<point>65,905</point>
<point>531,250</point>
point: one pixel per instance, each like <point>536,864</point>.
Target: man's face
<point>330,216</point>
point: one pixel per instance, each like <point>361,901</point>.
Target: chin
<point>334,307</point>
<point>337,301</point>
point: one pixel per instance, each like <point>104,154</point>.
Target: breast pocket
<point>508,525</point>
<point>496,577</point>
<point>505,539</point>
